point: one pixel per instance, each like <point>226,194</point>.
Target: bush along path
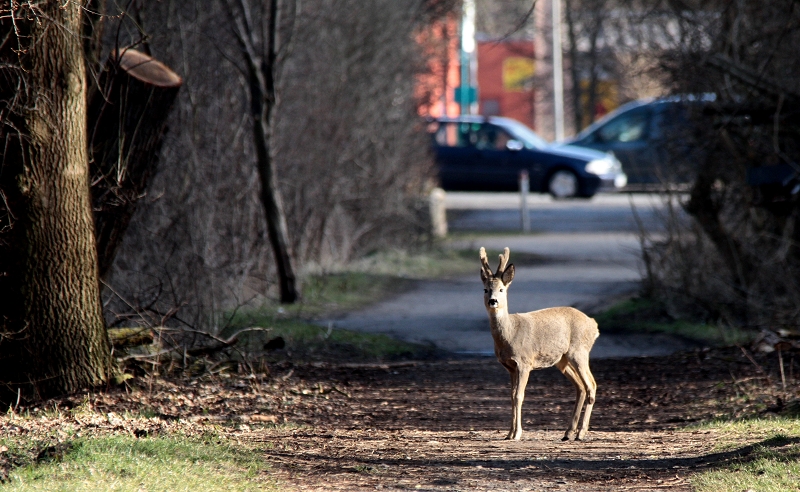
<point>719,419</point>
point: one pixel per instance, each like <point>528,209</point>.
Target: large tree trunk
<point>127,119</point>
<point>54,338</point>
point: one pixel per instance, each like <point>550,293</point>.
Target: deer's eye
<point>485,291</point>
<point>501,290</point>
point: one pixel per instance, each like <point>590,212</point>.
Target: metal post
<point>438,213</point>
<point>524,188</point>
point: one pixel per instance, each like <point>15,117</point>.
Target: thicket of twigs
<point>734,258</point>
<point>352,157</point>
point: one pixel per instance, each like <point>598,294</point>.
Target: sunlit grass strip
<point>336,289</point>
<point>127,463</point>
<point>751,428</point>
<point>772,465</point>
<point>769,470</point>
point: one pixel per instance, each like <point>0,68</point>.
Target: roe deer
<point>560,336</point>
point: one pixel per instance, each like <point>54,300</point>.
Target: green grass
<point>305,340</point>
<point>640,315</point>
<point>773,464</point>
<point>308,341</point>
<point>366,280</point>
<point>339,289</point>
<point>427,264</point>
<point>126,463</point>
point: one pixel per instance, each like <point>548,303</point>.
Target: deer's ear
<point>508,275</point>
<point>483,275</point>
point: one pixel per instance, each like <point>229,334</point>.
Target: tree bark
<point>53,335</point>
<point>127,116</point>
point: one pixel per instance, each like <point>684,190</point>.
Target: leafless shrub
<point>737,259</point>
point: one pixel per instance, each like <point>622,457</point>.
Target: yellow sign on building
<point>606,100</point>
<point>518,73</point>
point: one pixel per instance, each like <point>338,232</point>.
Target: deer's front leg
<point>512,370</point>
<point>519,379</point>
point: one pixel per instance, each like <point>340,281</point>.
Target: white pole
<point>558,72</point>
<point>524,188</point>
<point>468,65</point>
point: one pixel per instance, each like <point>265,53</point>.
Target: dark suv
<point>476,153</point>
<point>654,139</point>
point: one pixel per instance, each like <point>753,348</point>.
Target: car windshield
<point>528,138</point>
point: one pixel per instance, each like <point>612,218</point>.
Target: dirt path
<point>440,426</point>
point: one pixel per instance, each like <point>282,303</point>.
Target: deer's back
<point>543,337</point>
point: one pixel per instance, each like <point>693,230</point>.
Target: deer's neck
<point>500,322</point>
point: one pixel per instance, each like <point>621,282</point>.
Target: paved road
<point>591,249</point>
<point>602,213</point>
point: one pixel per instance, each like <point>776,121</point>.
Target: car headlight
<point>602,166</point>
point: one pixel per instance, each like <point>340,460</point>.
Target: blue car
<point>655,139</point>
<point>477,153</point>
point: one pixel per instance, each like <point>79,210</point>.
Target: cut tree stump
<point>127,121</point>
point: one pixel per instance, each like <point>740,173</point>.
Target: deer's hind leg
<point>588,380</point>
<point>572,374</point>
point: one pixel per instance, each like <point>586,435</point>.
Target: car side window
<point>452,134</point>
<point>491,137</point>
<point>445,135</point>
<point>628,127</point>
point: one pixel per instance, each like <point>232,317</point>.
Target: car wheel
<point>563,184</point>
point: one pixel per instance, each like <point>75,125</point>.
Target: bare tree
<point>585,24</point>
<point>361,154</point>
<point>263,44</point>
<point>53,333</point>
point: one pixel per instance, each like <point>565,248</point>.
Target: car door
<point>628,137</point>
<point>675,142</point>
<point>456,156</point>
<point>496,167</point>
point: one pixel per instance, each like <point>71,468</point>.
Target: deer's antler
<point>503,262</point>
<point>487,270</point>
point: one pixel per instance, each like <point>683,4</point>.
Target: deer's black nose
<point>492,302</point>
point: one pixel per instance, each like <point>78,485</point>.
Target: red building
<point>436,88</point>
<point>505,73</point>
<point>505,80</point>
